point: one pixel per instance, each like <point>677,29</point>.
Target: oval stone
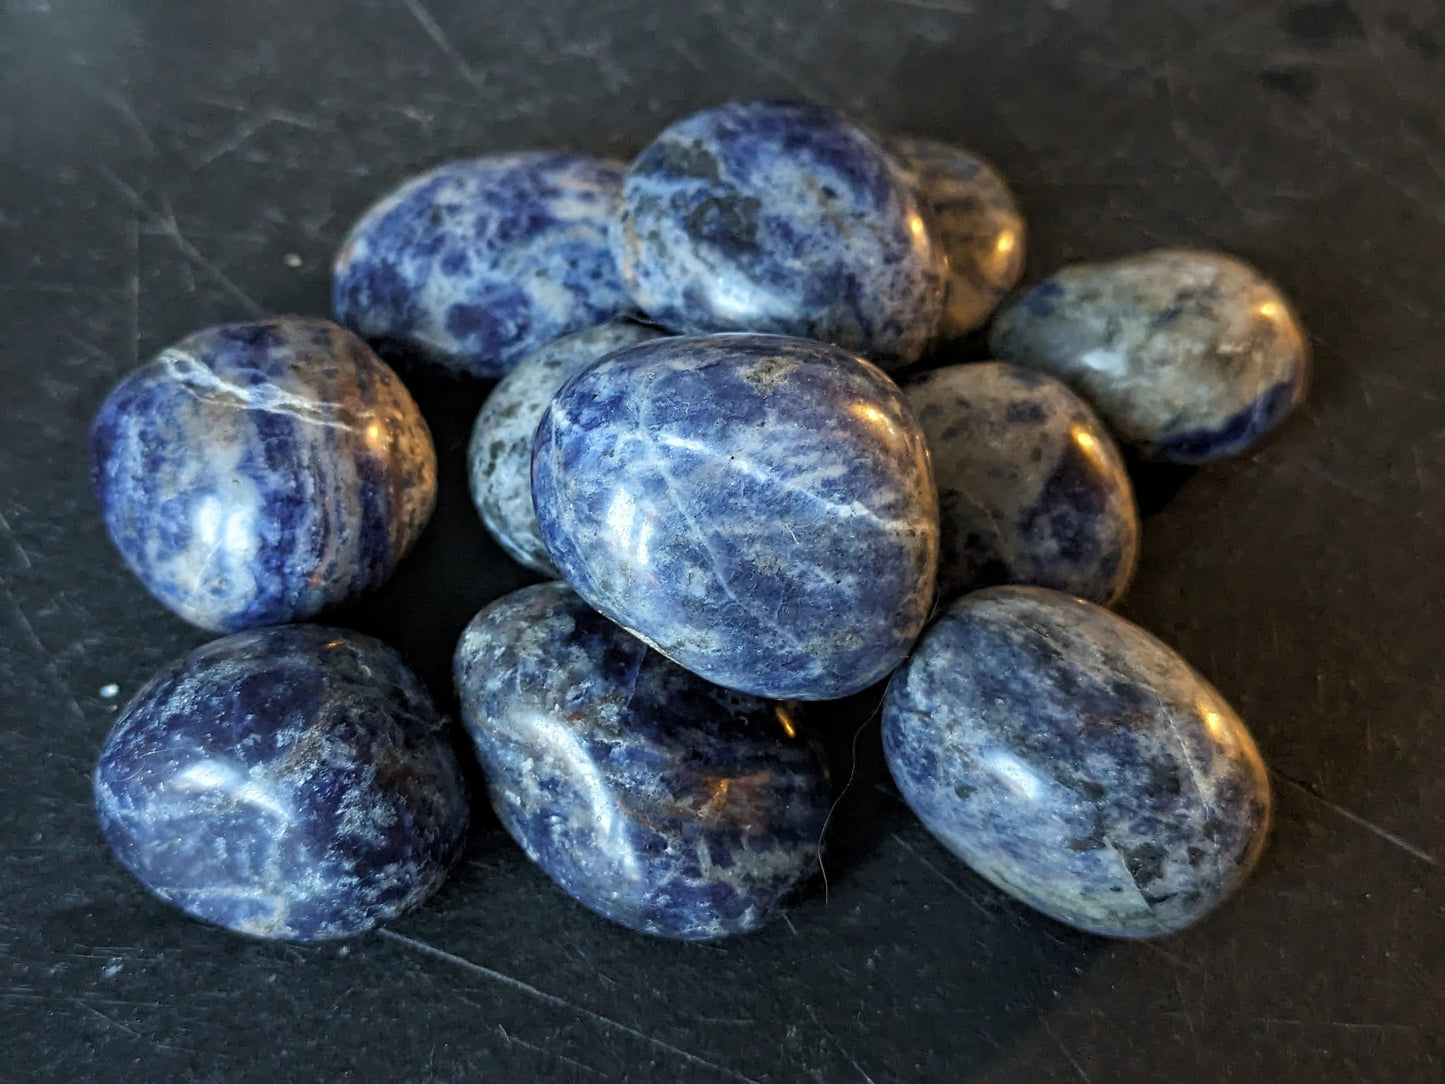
<point>980,227</point>
<point>255,473</point>
<point>1076,762</point>
<point>1031,489</point>
<point>477,263</point>
<point>661,802</point>
<point>1189,356</point>
<point>759,509</point>
<point>292,783</point>
<point>780,217</point>
<point>499,458</point>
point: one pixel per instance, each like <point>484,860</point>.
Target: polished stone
<point>479,262</point>
<point>293,783</point>
<point>255,473</point>
<point>661,802</point>
<point>980,227</point>
<point>1189,356</point>
<point>499,458</point>
<point>780,217</point>
<point>1076,762</point>
<point>1031,489</point>
<point>759,509</point>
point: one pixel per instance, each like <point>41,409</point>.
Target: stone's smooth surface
<point>479,262</point>
<point>1076,762</point>
<point>657,800</point>
<point>292,783</point>
<point>980,227</point>
<point>1190,356</point>
<point>780,217</point>
<point>759,509</point>
<point>1031,489</point>
<point>255,473</point>
<point>499,458</point>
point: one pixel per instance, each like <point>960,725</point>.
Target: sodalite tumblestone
<point>979,225</point>
<point>499,458</point>
<point>1031,489</point>
<point>1189,356</point>
<point>292,783</point>
<point>255,473</point>
<point>780,217</point>
<point>661,802</point>
<point>1076,762</point>
<point>759,509</point>
<point>479,262</point>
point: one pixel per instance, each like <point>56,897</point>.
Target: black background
<point>169,165</point>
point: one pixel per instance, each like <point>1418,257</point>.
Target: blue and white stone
<point>255,473</point>
<point>781,217</point>
<point>1076,762</point>
<point>759,509</point>
<point>1189,356</point>
<point>293,783</point>
<point>661,802</point>
<point>1031,488</point>
<point>479,262</point>
<point>499,458</point>
<point>980,227</point>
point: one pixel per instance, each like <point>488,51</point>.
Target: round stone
<point>255,473</point>
<point>1031,489</point>
<point>979,226</point>
<point>499,458</point>
<point>780,217</point>
<point>1076,762</point>
<point>661,802</point>
<point>293,783</point>
<point>479,262</point>
<point>1189,356</point>
<point>759,509</point>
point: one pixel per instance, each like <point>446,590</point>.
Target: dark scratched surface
<point>165,166</point>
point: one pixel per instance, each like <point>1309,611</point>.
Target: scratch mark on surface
<point>121,104</point>
<point>132,288</point>
<point>512,1040</point>
<point>1349,1025</point>
<point>437,34</point>
<point>957,7</point>
<point>248,128</point>
<point>838,1043</point>
<point>1065,1051</point>
<point>29,630</point>
<point>562,1003</point>
<point>1349,815</point>
<point>168,226</point>
<point>945,878</point>
<point>15,541</point>
<point>110,1022</point>
<point>789,923</point>
<point>762,60</point>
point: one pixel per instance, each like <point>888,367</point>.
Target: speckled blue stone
<point>479,262</point>
<point>292,783</point>
<point>1031,489</point>
<point>1189,356</point>
<point>780,217</point>
<point>759,509</point>
<point>499,456</point>
<point>255,473</point>
<point>1076,762</point>
<point>979,226</point>
<point>658,800</point>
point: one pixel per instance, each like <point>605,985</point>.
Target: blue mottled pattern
<point>1076,762</point>
<point>1189,356</point>
<point>1031,489</point>
<point>759,509</point>
<point>255,473</point>
<point>656,799</point>
<point>499,458</point>
<point>292,783</point>
<point>479,262</point>
<point>979,225</point>
<point>780,217</point>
